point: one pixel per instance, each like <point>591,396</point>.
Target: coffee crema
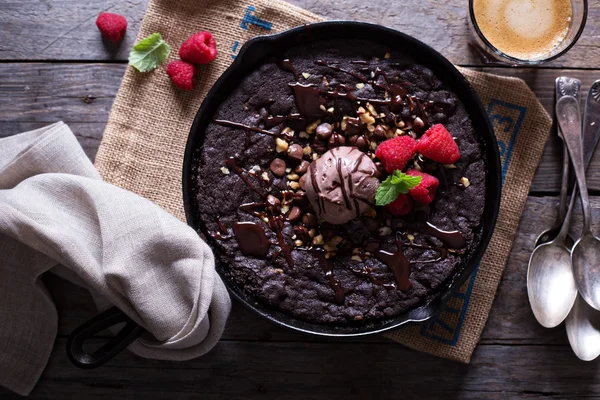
<point>524,29</point>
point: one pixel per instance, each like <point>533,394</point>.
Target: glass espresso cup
<point>526,32</point>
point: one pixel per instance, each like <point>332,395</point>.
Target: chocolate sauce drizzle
<point>247,237</point>
<point>311,102</point>
<point>398,264</point>
<point>327,268</point>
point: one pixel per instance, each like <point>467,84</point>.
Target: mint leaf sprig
<point>149,53</point>
<point>396,184</point>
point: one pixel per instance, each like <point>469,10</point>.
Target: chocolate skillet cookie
<point>341,183</point>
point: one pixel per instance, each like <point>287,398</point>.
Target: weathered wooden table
<point>51,58</point>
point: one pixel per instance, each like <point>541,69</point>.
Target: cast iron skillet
<point>252,54</point>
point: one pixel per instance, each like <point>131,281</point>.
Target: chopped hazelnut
<point>293,177</point>
<point>330,110</point>
<point>356,258</point>
<point>322,107</point>
<point>295,185</point>
<point>465,181</point>
<point>318,240</point>
<point>281,145</point>
<point>312,126</point>
<point>367,119</point>
<point>410,237</point>
<point>335,240</point>
<point>329,247</point>
<point>225,170</point>
<point>307,150</point>
<point>298,243</point>
<point>449,166</point>
<point>264,176</point>
<point>306,75</point>
<point>287,132</point>
<point>304,135</point>
<point>360,85</point>
<point>371,109</point>
<point>385,230</point>
<point>387,56</point>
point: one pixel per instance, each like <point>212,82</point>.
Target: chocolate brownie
<point>332,101</point>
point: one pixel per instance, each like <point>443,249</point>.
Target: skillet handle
<point>111,317</point>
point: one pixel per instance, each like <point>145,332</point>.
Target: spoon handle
<point>565,86</point>
<point>569,120</point>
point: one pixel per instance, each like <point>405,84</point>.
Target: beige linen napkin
<point>143,145</point>
<point>54,209</point>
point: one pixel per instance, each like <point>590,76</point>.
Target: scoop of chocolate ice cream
<point>340,185</point>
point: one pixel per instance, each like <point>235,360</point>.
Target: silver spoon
<point>583,322</point>
<point>550,284</point>
<point>565,86</point>
<point>583,330</point>
<point>585,255</point>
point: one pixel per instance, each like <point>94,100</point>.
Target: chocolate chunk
<point>294,214</point>
<point>360,142</point>
<point>372,224</point>
<point>295,152</point>
<point>300,197</point>
<point>310,220</point>
<point>301,233</point>
<point>380,132</point>
<point>302,167</point>
<point>372,247</point>
<point>353,125</point>
<point>278,167</point>
<point>380,169</point>
<point>273,201</point>
<point>324,131</point>
<point>418,125</point>
<point>336,140</point>
<point>318,145</point>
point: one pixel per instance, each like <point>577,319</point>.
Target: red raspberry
<point>401,206</point>
<point>424,192</point>
<point>438,145</point>
<point>182,74</point>
<point>396,153</point>
<point>112,26</point>
<point>200,48</point>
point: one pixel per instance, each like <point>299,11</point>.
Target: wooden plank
<point>250,370</point>
<point>65,30</point>
<point>510,322</point>
<point>35,94</point>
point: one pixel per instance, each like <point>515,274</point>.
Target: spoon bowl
<point>586,268</point>
<point>550,285</point>
<point>583,330</point>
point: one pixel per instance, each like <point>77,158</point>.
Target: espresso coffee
<point>523,29</point>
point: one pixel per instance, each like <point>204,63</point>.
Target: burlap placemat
<point>144,141</point>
